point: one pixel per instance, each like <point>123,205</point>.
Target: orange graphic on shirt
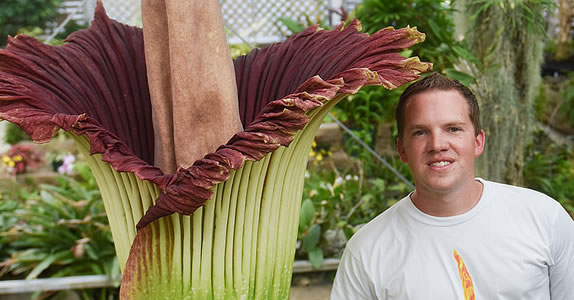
<point>467,286</point>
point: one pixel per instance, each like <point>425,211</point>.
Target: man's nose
<point>438,142</point>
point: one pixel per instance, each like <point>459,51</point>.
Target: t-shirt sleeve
<point>562,248</point>
<point>351,281</point>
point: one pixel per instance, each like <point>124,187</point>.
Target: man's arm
<point>562,248</point>
<point>352,280</point>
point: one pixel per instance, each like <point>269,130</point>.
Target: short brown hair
<point>437,82</point>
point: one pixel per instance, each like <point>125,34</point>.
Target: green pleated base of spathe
<point>240,245</point>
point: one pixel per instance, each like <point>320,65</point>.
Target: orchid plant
<point>200,160</point>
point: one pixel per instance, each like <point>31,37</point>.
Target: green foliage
<point>18,14</point>
<point>239,50</point>
<point>517,13</point>
<point>363,113</point>
<point>549,168</point>
<point>295,26</point>
<point>554,103</point>
<point>14,134</point>
<point>433,17</point>
<point>7,220</point>
<point>292,25</point>
<point>57,231</point>
<point>566,108</point>
<point>336,203</point>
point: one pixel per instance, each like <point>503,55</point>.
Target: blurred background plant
<point>57,230</point>
<point>338,198</point>
<point>13,134</point>
<point>435,18</point>
<point>25,15</point>
<point>20,158</point>
<point>550,169</point>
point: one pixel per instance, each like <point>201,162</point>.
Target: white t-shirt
<point>514,243</point>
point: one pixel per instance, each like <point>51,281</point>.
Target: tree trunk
<point>565,14</point>
<point>509,47</point>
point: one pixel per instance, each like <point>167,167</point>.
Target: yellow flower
<point>17,158</point>
<point>11,164</point>
<point>6,159</point>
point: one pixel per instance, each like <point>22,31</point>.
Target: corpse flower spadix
<point>224,227</point>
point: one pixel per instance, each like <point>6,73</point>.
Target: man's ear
<point>479,141</point>
<point>401,150</point>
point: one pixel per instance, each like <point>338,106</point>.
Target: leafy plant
<point>58,231</point>
<point>15,15</point>
<point>549,168</point>
<point>363,113</point>
<point>554,104</point>
<point>566,106</point>
<point>435,18</point>
<point>14,134</point>
<point>336,203</point>
<point>7,221</point>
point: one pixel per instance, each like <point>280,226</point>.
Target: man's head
<point>439,134</point>
<point>437,82</point>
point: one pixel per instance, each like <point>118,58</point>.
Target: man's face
<point>438,141</point>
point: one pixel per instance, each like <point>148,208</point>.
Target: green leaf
<point>45,264</point>
<point>435,29</point>
<point>306,215</point>
<point>292,25</point>
<point>464,78</point>
<point>316,257</point>
<point>407,53</point>
<point>465,54</point>
<point>311,239</point>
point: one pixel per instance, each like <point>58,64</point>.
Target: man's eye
<point>455,129</point>
<point>418,132</point>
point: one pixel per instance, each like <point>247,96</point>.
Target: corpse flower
<point>224,225</point>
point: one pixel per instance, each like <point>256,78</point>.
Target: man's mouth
<point>440,163</point>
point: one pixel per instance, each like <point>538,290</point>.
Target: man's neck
<point>449,203</point>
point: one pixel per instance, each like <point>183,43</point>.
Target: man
<point>456,236</point>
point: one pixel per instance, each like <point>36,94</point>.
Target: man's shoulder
<point>516,196</point>
<point>508,189</point>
